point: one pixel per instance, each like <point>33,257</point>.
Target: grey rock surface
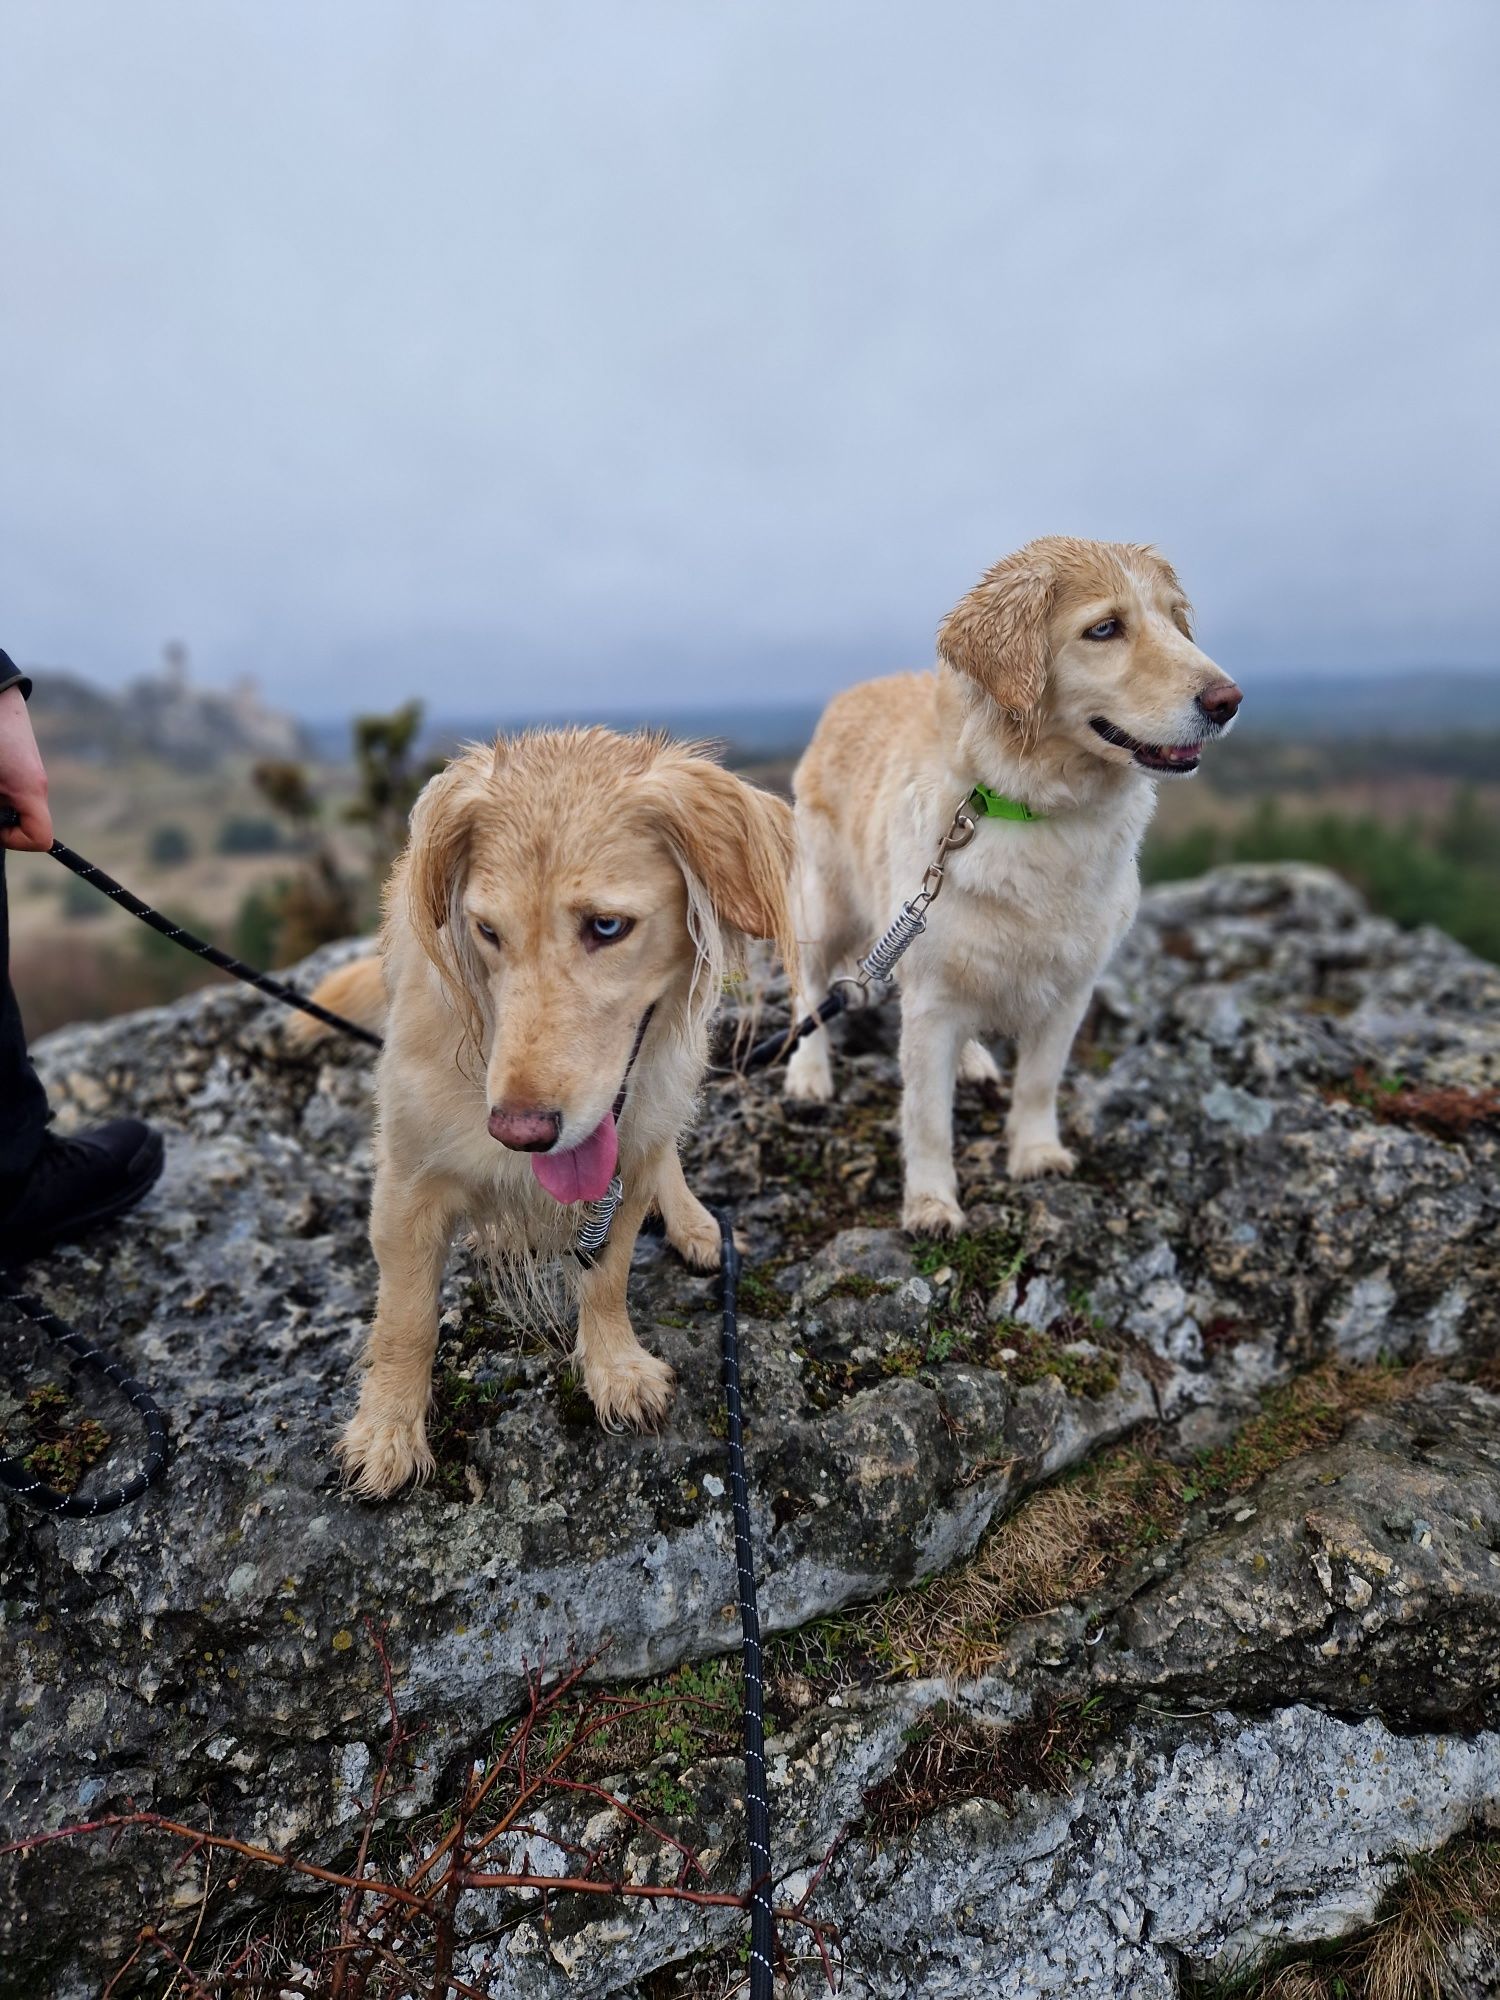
<point>1242,1209</point>
<point>1364,1577</point>
<point>1198,1846</point>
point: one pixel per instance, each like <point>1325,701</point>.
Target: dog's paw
<point>632,1391</point>
<point>381,1453</point>
<point>977,1065</point>
<point>809,1076</point>
<point>931,1215</point>
<point>694,1234</point>
<point>1032,1158</point>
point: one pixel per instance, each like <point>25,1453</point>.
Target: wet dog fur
<point>501,1005</point>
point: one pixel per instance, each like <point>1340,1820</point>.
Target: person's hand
<point>23,782</point>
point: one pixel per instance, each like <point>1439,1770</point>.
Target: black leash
<point>200,947</point>
<point>776,1048</point>
<point>87,1359</point>
<point>14,1474</point>
<point>753,1713</point>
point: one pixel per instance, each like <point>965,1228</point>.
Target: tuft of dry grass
<point>952,1757</point>
<point>1446,1905</point>
<point>1071,1537</point>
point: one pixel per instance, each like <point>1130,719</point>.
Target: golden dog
<point>557,929</point>
<point>1067,682</point>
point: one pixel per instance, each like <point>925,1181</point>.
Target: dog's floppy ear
<point>736,839</point>
<point>437,851</point>
<point>998,636</point>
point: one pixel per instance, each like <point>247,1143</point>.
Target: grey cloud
<point>537,356</point>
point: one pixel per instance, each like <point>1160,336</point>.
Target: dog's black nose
<point>1221,702</point>
<point>524,1131</point>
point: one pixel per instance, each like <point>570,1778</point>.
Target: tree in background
<point>169,847</point>
<point>327,900</point>
<point>389,779</point>
<point>245,834</point>
<point>317,905</point>
<point>1448,874</point>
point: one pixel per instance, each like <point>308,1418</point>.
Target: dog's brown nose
<point>1221,702</point>
<point>524,1131</point>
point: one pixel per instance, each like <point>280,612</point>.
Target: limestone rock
<point>1244,1205</point>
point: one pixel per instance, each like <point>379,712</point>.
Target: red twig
<point>157,1942</point>
<point>376,1918</point>
<point>394,1745</point>
<point>265,1857</point>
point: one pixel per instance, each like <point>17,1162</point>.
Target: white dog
<point>1067,683</point>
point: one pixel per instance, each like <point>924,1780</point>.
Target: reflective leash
<point>757,1812</point>
<point>199,947</point>
<point>87,1359</point>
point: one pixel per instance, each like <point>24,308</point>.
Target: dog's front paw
<point>694,1234</point>
<point>631,1391</point>
<point>931,1215</point>
<point>381,1452</point>
<point>1031,1158</point>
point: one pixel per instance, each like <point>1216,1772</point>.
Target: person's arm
<point>23,781</point>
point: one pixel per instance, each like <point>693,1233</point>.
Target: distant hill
<point>1416,702</point>
<point>160,715</point>
<point>1423,701</point>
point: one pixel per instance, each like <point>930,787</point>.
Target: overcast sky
<point>549,355</point>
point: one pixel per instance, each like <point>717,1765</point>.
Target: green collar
<point>995,805</point>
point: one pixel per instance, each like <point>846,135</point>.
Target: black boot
<point>74,1183</point>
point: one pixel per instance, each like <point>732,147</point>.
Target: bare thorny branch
<point>385,1921</point>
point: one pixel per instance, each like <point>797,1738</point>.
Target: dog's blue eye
<point>1107,628</point>
<point>490,936</point>
<point>607,930</point>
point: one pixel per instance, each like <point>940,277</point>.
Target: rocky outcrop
<point>1288,1158</point>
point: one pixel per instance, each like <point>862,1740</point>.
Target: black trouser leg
<point>23,1102</point>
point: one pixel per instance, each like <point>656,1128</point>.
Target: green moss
<point>980,1262</point>
<point>462,1407</point>
<point>58,1443</point>
<point>821,1659</point>
<point>1020,1352</point>
<point>759,1297</point>
<point>663,1796</point>
<point>573,1397</point>
<point>855,1286</point>
<point>669,1722</point>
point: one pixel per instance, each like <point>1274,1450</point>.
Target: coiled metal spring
<point>593,1230</point>
<point>909,923</point>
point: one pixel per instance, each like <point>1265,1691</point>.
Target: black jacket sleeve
<point>11,675</point>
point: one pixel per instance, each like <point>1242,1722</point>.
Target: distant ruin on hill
<point>160,715</point>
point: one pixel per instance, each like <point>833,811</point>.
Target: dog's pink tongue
<point>584,1172</point>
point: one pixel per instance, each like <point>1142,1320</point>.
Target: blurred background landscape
<point>272,836</point>
<point>379,376</point>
